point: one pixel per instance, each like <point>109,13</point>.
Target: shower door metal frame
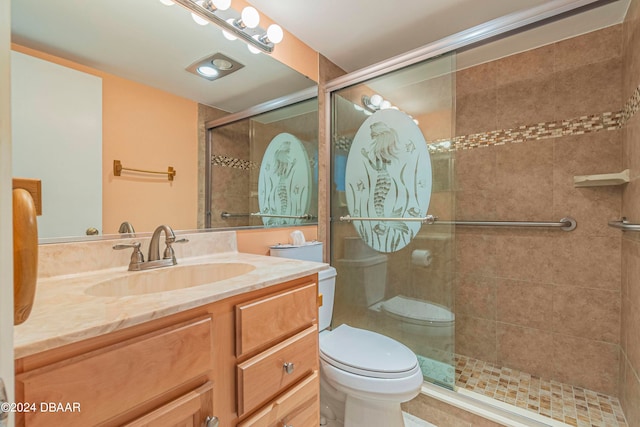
<point>479,33</point>
<point>265,107</point>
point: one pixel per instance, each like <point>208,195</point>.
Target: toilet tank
<point>312,251</point>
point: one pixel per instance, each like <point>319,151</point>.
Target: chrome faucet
<point>127,228</point>
<point>138,263</point>
<point>154,245</point>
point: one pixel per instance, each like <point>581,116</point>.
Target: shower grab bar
<point>233,215</point>
<point>238,215</point>
<point>303,216</point>
<point>565,224</point>
<point>624,225</point>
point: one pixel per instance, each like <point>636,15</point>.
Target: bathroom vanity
<point>243,349</point>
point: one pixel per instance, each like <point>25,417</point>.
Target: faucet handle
<point>136,257</point>
<point>168,250</point>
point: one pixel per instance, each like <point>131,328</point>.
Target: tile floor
<point>574,406</point>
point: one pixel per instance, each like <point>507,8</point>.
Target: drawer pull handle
<point>288,368</point>
<point>211,422</point>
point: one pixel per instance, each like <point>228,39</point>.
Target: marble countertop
<point>63,313</point>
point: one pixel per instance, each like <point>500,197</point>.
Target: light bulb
<point>252,48</point>
<point>250,17</point>
<point>385,104</point>
<point>198,19</point>
<point>207,71</point>
<point>227,35</point>
<point>167,2</point>
<point>275,33</point>
<point>221,4</point>
<point>376,100</point>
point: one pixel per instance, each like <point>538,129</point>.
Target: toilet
<point>364,376</point>
<point>365,270</point>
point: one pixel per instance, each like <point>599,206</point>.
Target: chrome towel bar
<point>565,224</point>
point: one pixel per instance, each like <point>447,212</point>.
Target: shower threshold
<point>519,398</point>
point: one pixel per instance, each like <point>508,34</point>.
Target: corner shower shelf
<point>602,179</point>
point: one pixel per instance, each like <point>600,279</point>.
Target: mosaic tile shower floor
<point>574,406</point>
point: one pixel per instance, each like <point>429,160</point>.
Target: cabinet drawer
<point>117,378</point>
<point>267,320</point>
<point>189,410</point>
<point>299,407</point>
<point>263,377</point>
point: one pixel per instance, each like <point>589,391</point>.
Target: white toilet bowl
<point>369,376</point>
<point>364,376</point>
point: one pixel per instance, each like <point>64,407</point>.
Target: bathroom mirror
<point>146,43</point>
<point>278,185</point>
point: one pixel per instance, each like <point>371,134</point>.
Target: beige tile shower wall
<point>629,390</point>
<point>230,171</point>
<point>543,301</point>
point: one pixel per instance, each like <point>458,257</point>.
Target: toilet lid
<point>366,353</point>
<point>410,308</point>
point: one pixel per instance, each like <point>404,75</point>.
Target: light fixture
<point>376,102</point>
<point>251,48</point>
<point>234,25</point>
<point>249,18</point>
<point>274,34</point>
<point>227,35</point>
<point>198,20</point>
<point>214,66</point>
<point>207,71</point>
<point>221,4</point>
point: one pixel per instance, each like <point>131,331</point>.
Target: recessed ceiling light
<point>207,71</point>
<point>222,64</point>
<point>214,66</point>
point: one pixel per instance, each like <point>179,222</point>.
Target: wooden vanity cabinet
<point>151,369</point>
<point>278,361</point>
<point>225,359</point>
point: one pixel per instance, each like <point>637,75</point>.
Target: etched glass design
<point>284,184</point>
<point>388,175</point>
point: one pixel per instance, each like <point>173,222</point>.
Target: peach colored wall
<point>257,241</point>
<point>629,390</point>
<point>144,128</point>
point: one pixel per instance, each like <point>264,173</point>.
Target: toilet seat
<point>366,353</point>
<point>416,311</point>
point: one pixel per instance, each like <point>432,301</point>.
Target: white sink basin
<point>168,279</point>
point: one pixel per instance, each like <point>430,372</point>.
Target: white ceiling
<point>148,42</point>
<point>354,34</point>
<point>145,41</point>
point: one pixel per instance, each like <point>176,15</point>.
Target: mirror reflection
<point>264,169</point>
<point>147,110</point>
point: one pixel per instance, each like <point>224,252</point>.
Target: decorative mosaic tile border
<point>230,162</point>
<point>632,106</point>
<point>545,130</point>
<point>577,126</point>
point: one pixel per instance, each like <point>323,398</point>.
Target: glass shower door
<point>392,160</point>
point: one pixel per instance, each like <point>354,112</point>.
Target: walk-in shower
<point>461,224</point>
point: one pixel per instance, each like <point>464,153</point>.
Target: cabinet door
<point>190,410</point>
<point>111,381</point>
